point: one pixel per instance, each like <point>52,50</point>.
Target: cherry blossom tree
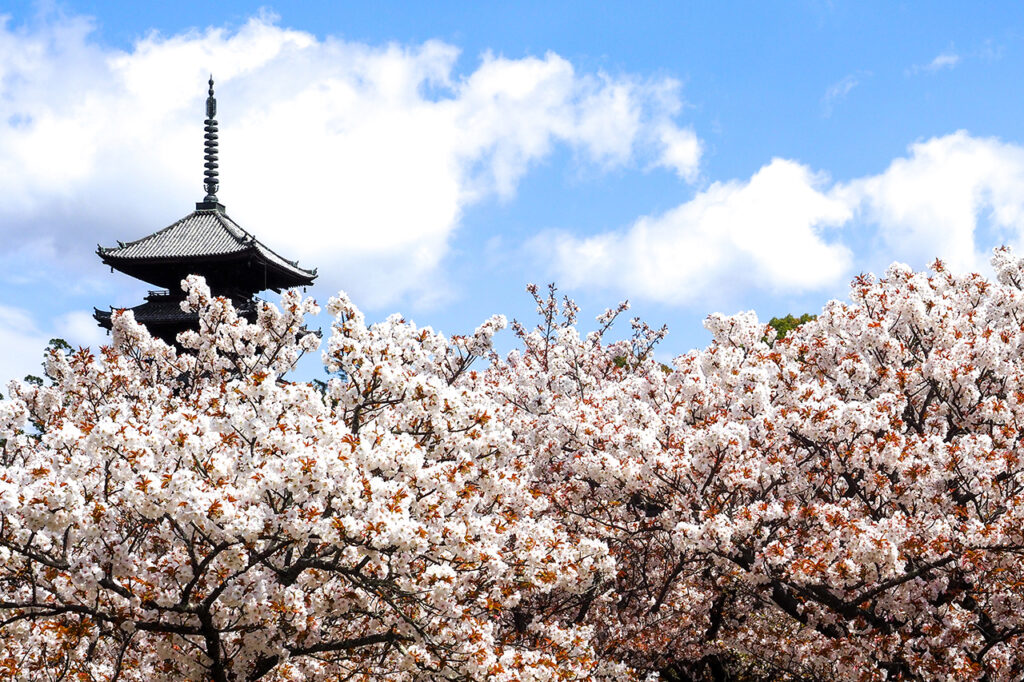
<point>846,502</point>
<point>843,503</point>
<point>192,515</point>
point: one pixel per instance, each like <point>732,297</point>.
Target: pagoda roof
<point>206,234</point>
<point>165,308</point>
<point>162,315</point>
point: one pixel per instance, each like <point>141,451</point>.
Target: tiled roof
<point>162,311</point>
<point>201,234</point>
<point>166,309</point>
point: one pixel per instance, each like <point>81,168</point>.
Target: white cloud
<point>357,159</point>
<point>930,203</point>
<point>361,160</point>
<point>766,232</point>
<point>24,340</point>
<point>990,51</point>
<point>953,197</point>
<point>22,345</point>
<point>681,151</point>
<point>79,329</point>
<point>944,60</point>
<point>838,92</point>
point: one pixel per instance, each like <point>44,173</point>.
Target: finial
<point>211,182</point>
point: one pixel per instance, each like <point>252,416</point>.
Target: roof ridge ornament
<point>210,175</point>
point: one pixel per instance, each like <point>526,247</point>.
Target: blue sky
<point>434,158</point>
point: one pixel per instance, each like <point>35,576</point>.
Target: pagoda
<point>206,242</point>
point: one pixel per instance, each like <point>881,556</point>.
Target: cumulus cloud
<point>953,197</point>
<point>766,232</point>
<point>354,158</point>
<point>932,201</point>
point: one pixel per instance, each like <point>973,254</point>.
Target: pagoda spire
<point>206,242</point>
<point>210,180</point>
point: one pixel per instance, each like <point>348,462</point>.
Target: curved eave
<point>285,275</point>
<point>207,235</point>
<point>287,268</point>
<point>102,317</point>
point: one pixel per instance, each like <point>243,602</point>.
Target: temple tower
<point>205,242</point>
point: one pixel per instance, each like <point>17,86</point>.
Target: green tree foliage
<point>784,325</point>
